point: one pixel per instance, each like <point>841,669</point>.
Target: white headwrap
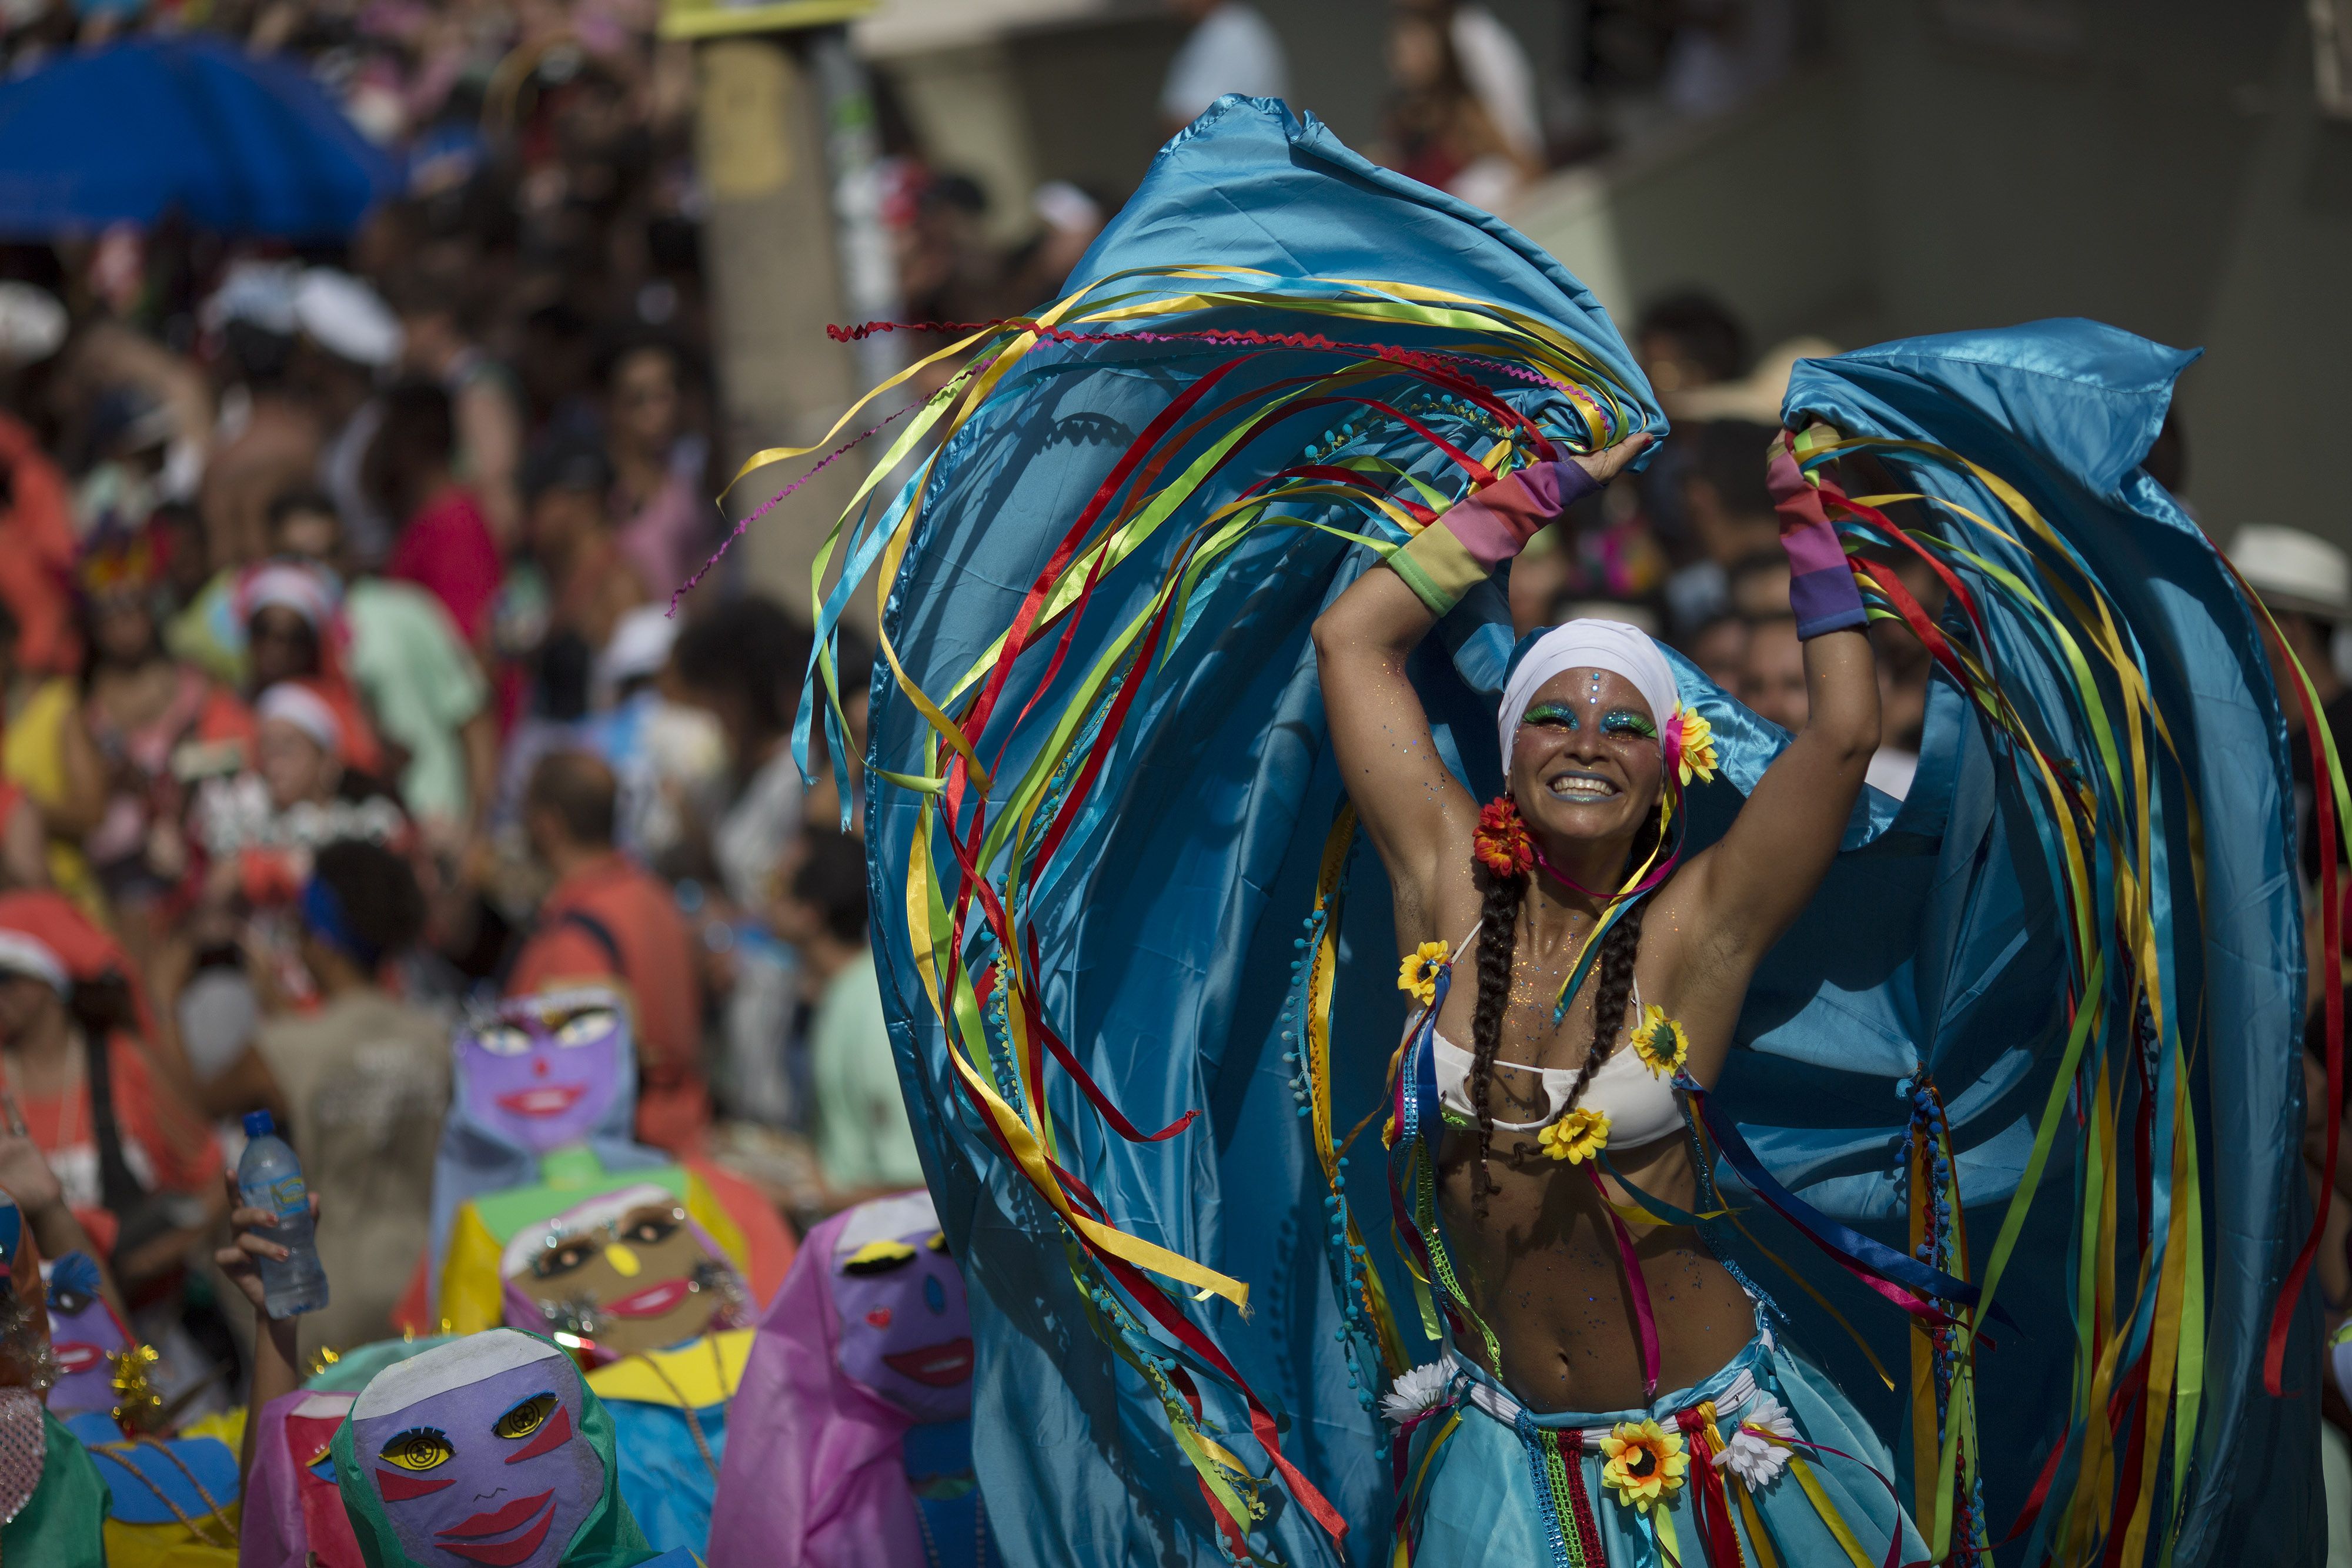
<point>1608,645</point>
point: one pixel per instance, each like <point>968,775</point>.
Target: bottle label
<point>289,1194</point>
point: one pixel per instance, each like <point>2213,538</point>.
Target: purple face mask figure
<point>84,1336</point>
<point>543,1069</point>
<point>476,1455</point>
<point>904,1333</point>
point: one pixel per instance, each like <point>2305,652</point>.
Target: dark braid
<point>1499,936</point>
<point>1613,977</point>
<point>1498,930</point>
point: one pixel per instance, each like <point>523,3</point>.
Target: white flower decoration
<point>1423,1389</point>
<point>1757,1449</point>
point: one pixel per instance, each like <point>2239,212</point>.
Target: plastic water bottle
<point>268,1177</point>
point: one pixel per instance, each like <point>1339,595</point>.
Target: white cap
<point>447,1366</point>
<point>259,293</point>
<point>2294,571</point>
<point>305,710</point>
<point>639,646</point>
<point>32,324</point>
<point>347,318</point>
<point>25,954</point>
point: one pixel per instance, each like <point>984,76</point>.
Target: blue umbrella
<point>235,142</point>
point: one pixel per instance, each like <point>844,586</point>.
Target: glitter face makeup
<point>1626,721</point>
<point>1558,713</point>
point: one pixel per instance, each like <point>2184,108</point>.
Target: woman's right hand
<point>1610,461</point>
<point>249,1242</point>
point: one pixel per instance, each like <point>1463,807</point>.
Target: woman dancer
<point>1556,889</point>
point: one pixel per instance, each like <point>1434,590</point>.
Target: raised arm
<point>1417,814</point>
<point>1741,895</point>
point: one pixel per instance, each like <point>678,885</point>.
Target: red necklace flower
<point>1501,843</point>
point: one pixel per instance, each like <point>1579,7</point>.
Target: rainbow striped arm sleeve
<point>1463,547</point>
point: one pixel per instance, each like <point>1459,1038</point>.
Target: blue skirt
<point>1765,1463</point>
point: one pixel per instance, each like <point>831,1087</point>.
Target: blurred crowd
<point>343,691</point>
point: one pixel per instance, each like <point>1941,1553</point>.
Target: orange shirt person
<point>606,916</point>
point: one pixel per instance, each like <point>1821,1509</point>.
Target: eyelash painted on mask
<point>1624,722</point>
<point>1550,713</point>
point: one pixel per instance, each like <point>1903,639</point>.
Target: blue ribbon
<point>1831,1236</point>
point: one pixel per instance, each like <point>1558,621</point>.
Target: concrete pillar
<point>775,277</point>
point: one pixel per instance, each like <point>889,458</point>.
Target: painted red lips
<point>471,1539</point>
<point>650,1303</point>
<point>542,1099</point>
<point>940,1365</point>
<point>75,1355</point>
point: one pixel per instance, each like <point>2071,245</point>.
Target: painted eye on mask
<point>653,1229</point>
<point>525,1418</point>
<point>420,1448</point>
<point>939,1241</point>
<point>504,1039</point>
<point>562,1259</point>
<point>878,1258</point>
<point>582,1027</point>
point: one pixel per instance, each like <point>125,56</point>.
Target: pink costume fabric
<point>815,1479</point>
<point>292,1511</point>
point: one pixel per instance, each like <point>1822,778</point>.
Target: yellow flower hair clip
<point>1660,1042</point>
<point>1577,1136</point>
<point>1697,754</point>
<point>1418,974</point>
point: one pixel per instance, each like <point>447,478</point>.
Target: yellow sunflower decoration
<point>1577,1136</point>
<point>1646,1461</point>
<point>1660,1042</point>
<point>1418,973</point>
<point>1697,754</point>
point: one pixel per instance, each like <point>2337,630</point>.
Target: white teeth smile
<point>1579,787</point>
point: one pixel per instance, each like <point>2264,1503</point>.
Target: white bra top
<point>1641,1108</point>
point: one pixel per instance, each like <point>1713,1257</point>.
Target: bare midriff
<point>1542,1267</point>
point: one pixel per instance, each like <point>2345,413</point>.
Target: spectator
<point>1772,676</point>
<point>1719,648</point>
<point>444,544</point>
<point>1690,340</point>
<point>260,827</point>
<point>360,1085</point>
<point>347,336</point>
<point>591,584</point>
<point>2306,585</point>
<point>267,436</point>
<point>662,493</point>
<point>411,665</point>
<point>485,403</point>
<point>157,726</point>
<point>141,1181</point>
<point>866,1146</point>
<point>47,755</point>
<point>607,918</point>
<point>1439,131</point>
<point>743,661</point>
<point>1231,48</point>
<point>294,633</point>
<point>37,553</point>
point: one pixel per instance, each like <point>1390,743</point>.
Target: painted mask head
<point>25,1359</point>
<point>476,1454</point>
<point>84,1336</point>
<point>544,1068</point>
<point>629,1271</point>
<point>904,1333</point>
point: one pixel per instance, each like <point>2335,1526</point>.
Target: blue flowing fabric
<point>1167,923</point>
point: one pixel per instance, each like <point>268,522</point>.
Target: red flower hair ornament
<point>1501,843</point>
